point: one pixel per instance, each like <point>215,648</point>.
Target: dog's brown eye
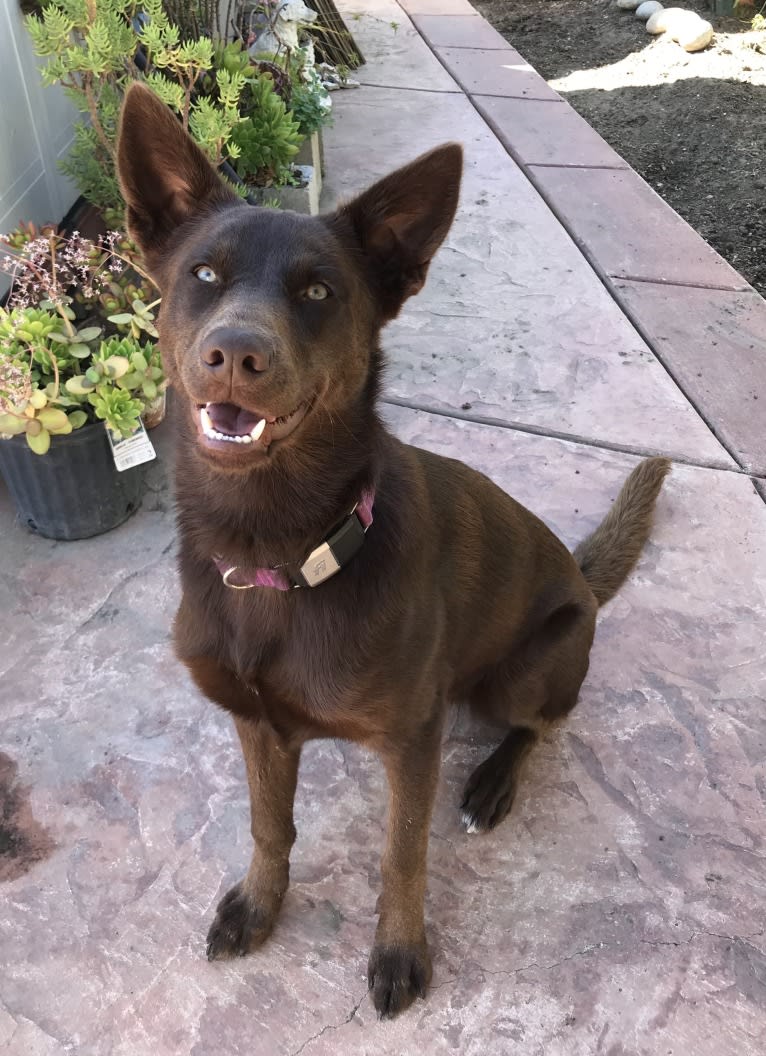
<point>205,274</point>
<point>317,291</point>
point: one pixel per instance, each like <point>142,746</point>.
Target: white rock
<point>692,32</point>
<point>672,20</point>
<point>697,37</point>
<point>662,21</point>
<point>647,8</point>
<point>627,5</point>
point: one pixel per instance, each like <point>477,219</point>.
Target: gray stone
<point>648,8</point>
<point>627,5</point>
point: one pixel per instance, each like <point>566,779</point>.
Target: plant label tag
<point>133,450</point>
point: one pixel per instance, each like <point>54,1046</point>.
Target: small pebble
<point>627,5</point>
<point>649,7</point>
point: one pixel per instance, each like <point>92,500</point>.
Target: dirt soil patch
<point>693,125</point>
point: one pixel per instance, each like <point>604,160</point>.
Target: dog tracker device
<point>322,563</point>
<point>335,552</point>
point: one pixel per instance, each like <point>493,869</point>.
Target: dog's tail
<point>607,557</point>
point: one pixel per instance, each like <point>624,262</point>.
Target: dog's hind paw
<point>470,823</point>
<point>488,796</point>
<point>240,926</point>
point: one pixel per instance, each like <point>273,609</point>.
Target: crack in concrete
<point>331,1026</point>
<point>118,586</point>
<point>546,967</point>
<point>19,1017</point>
<point>557,434</point>
<point>600,946</point>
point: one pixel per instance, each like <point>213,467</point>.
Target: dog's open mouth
<point>226,423</point>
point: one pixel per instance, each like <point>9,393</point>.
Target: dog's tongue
<point>232,420</point>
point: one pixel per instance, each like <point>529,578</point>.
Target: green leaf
<point>80,351</point>
<point>121,319</point>
<point>79,386</point>
<point>89,333</point>
<point>77,419</point>
<point>9,423</point>
<point>150,389</point>
<point>63,429</point>
<point>139,361</point>
<point>53,419</point>
<point>38,399</point>
<point>93,375</point>
<point>116,366</point>
<point>39,443</point>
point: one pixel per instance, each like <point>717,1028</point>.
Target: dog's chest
<point>297,660</point>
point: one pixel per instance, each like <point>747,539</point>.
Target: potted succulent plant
<point>77,359</point>
<point>236,114</point>
<point>274,148</point>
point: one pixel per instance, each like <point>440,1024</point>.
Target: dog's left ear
<point>401,221</point>
<point>164,176</point>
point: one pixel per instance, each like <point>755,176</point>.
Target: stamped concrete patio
<point>571,324</point>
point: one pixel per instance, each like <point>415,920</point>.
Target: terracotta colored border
<point>699,316</point>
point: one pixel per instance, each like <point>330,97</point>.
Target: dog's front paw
<point>396,976</point>
<point>240,926</point>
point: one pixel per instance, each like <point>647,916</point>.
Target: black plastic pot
<point>74,491</point>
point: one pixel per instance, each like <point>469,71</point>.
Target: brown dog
<point>444,587</point>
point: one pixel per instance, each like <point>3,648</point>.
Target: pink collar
<point>323,562</point>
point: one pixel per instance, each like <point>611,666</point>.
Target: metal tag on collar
<point>319,565</point>
<point>330,556</point>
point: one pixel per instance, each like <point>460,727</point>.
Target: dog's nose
<point>228,350</point>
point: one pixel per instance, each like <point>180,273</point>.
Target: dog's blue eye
<point>317,291</point>
<point>205,274</point>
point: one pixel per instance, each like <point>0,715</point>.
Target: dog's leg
<point>532,688</point>
<point>247,913</point>
<point>400,965</point>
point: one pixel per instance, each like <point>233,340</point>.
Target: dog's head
<point>270,319</point>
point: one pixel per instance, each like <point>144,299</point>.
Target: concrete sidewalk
<point>620,909</point>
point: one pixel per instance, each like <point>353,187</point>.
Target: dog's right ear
<point>164,176</point>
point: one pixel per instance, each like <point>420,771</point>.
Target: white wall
<point>35,131</point>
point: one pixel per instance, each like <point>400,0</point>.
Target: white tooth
<point>257,429</point>
<point>246,439</point>
<point>207,424</point>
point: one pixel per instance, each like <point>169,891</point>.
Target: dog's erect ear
<point>164,176</point>
<point>402,220</point>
